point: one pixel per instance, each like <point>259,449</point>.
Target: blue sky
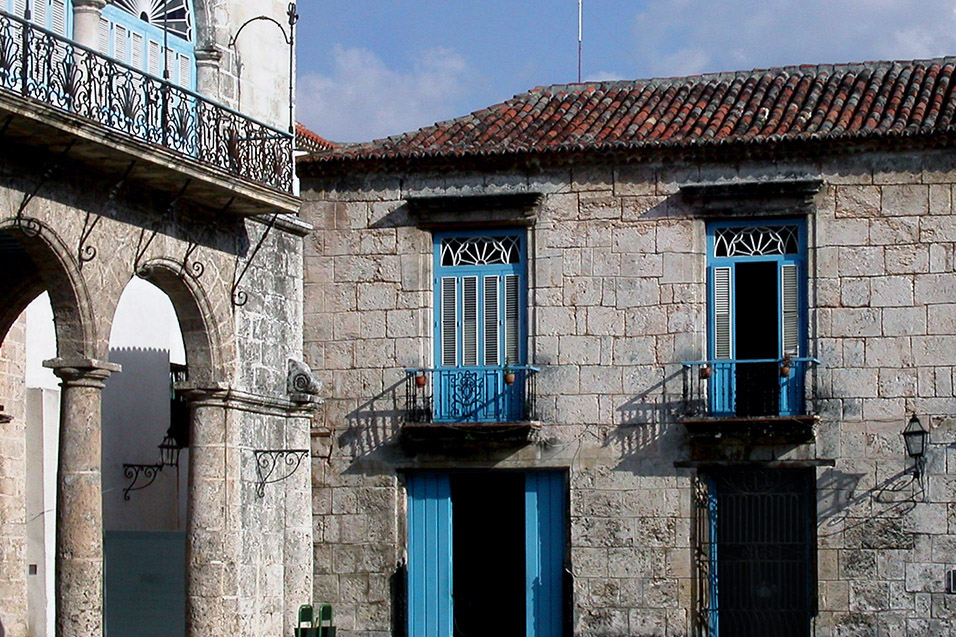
<point>374,68</point>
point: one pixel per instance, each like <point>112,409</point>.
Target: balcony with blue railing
<point>55,92</point>
<point>470,404</point>
<point>770,395</point>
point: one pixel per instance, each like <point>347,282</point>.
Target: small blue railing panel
<point>471,394</point>
<point>40,65</point>
<point>746,388</point>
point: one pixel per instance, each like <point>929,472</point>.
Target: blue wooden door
<point>545,541</point>
<point>430,551</point>
<point>430,612</point>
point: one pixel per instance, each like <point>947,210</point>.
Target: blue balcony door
<point>480,300</point>
<point>53,15</point>
<point>153,37</point>
<point>757,288</point>
<point>486,553</point>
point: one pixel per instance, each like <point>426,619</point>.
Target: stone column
<point>79,502</point>
<point>213,541</point>
<point>86,21</point>
<point>208,60</point>
<point>298,547</point>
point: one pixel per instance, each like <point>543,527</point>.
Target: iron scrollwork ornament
<point>467,394</point>
<point>269,460</point>
<point>134,472</point>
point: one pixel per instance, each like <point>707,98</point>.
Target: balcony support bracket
<point>239,296</point>
<point>85,252</point>
<point>267,460</point>
<point>27,225</point>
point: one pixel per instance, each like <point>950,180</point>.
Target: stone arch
<point>197,319</point>
<point>35,259</point>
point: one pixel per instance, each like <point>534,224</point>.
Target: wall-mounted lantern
<point>169,450</point>
<point>915,437</point>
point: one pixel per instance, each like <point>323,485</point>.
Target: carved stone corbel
<point>302,385</point>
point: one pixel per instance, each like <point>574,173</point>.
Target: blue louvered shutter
<point>545,538</point>
<point>790,309</point>
<point>430,612</point>
<point>491,331</point>
<point>449,321</point>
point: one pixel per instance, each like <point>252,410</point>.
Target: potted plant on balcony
<point>785,365</point>
<point>420,378</point>
<point>509,374</point>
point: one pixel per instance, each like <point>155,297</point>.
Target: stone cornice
<point>220,395</point>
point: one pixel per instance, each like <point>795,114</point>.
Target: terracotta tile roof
<point>310,142</point>
<point>846,101</point>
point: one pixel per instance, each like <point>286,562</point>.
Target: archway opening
<point>145,467</point>
<point>42,308</point>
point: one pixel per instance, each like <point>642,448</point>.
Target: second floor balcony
<point>55,93</point>
<point>496,403</point>
<point>769,394</point>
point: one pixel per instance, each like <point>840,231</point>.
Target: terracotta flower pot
<point>509,378</point>
<point>421,380</point>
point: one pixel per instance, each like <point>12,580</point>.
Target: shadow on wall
<point>872,511</point>
<point>647,418</point>
<point>375,423</point>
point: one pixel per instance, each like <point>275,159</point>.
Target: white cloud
<point>679,37</point>
<point>364,98</point>
<point>604,76</point>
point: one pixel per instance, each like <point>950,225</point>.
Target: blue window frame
<point>135,41</point>
<point>53,15</point>
<point>480,302</point>
<point>756,317</point>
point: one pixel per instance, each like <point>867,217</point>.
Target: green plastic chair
<point>326,629</point>
<point>306,627</point>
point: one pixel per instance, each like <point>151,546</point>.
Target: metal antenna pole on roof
<point>166,41</point>
<point>580,32</point>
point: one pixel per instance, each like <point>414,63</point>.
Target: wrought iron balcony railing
<point>40,65</point>
<point>745,388</point>
<point>470,394</point>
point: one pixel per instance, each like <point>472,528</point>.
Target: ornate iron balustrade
<point>41,65</point>
<point>470,394</point>
<point>745,388</point>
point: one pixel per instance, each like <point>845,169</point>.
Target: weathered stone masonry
<point>617,301</point>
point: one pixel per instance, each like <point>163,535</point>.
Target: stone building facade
<point>108,172</point>
<point>665,225</point>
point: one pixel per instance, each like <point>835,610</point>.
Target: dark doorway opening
<point>765,533</point>
<point>488,553</point>
<point>757,337</point>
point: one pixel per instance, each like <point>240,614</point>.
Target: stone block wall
<point>617,299</point>
<point>13,585</point>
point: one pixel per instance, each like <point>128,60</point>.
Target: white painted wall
<point>43,424</point>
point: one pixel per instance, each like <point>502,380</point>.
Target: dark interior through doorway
<point>488,553</point>
<point>756,310</point>
<point>765,522</point>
